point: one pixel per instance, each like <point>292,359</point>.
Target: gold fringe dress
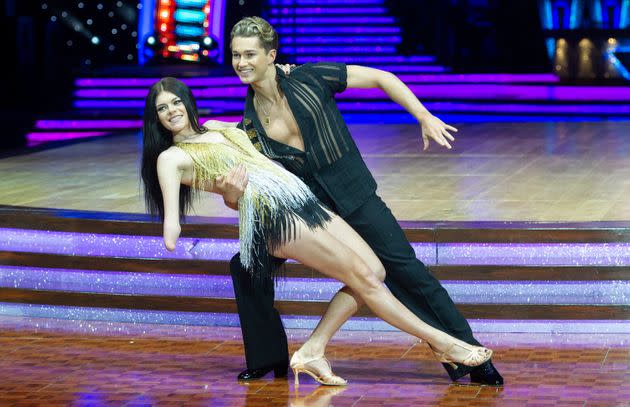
<point>273,201</point>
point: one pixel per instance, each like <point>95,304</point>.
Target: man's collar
<point>249,99</point>
<point>250,111</point>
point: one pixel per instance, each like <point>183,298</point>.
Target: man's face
<point>249,59</point>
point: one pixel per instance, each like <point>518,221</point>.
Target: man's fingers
<point>239,176</point>
<point>437,130</point>
<point>242,174</point>
<point>238,171</point>
<point>439,138</point>
<point>448,135</point>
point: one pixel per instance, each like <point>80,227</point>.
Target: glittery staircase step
<point>227,228</point>
<point>89,265</point>
<point>296,270</point>
<point>310,308</point>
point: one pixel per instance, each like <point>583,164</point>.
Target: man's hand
<point>436,129</point>
<point>232,186</point>
<point>286,68</point>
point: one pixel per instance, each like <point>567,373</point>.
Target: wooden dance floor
<point>53,362</point>
<point>569,172</point>
<point>496,171</point>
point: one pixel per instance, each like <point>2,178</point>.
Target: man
<point>294,120</point>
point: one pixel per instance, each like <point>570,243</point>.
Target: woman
<point>278,216</point>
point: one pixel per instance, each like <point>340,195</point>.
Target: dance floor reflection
<point>60,362</point>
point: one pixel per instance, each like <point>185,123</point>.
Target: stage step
<point>66,220</point>
<point>332,30</point>
<point>305,308</point>
<point>97,263</point>
<point>295,270</point>
<point>106,105</point>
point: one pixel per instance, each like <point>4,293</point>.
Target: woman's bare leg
<point>321,250</point>
<point>346,302</point>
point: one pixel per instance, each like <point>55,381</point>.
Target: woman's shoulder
<point>213,125</point>
<point>173,150</point>
<point>173,154</point>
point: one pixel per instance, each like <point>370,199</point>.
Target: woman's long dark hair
<point>155,139</point>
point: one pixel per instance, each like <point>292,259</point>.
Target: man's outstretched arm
<point>431,126</point>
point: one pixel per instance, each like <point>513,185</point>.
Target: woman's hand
<point>171,234</point>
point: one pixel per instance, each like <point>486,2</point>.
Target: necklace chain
<point>267,119</point>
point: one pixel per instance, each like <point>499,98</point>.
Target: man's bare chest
<point>283,128</point>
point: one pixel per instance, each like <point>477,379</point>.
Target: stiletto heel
<point>325,378</point>
<point>295,375</point>
<point>477,355</point>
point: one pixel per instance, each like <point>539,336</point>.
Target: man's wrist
<point>423,115</point>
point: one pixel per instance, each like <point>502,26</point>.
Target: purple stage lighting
<point>326,11</point>
<point>87,124</point>
<point>304,49</point>
<point>324,2</point>
<point>144,83</point>
<point>347,40</point>
<point>87,244</point>
<point>34,139</point>
<point>63,318</point>
<point>339,21</point>
<point>301,289</point>
<point>332,30</point>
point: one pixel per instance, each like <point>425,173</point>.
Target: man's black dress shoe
<point>254,374</point>
<point>485,373</point>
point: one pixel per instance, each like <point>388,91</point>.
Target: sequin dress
<point>273,202</point>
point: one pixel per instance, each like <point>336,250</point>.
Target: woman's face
<point>172,112</point>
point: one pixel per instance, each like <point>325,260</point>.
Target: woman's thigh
<point>344,232</point>
<point>331,254</point>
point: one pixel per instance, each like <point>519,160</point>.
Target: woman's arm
<point>169,168</point>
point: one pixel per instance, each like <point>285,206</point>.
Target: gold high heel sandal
<point>327,379</point>
<point>477,355</point>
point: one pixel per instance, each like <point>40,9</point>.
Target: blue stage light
<point>189,16</point>
<point>189,30</point>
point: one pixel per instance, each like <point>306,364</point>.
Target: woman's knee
<point>379,271</point>
<point>366,277</point>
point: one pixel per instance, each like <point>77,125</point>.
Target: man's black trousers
<point>408,279</point>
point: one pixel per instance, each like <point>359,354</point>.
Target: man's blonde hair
<point>259,28</point>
